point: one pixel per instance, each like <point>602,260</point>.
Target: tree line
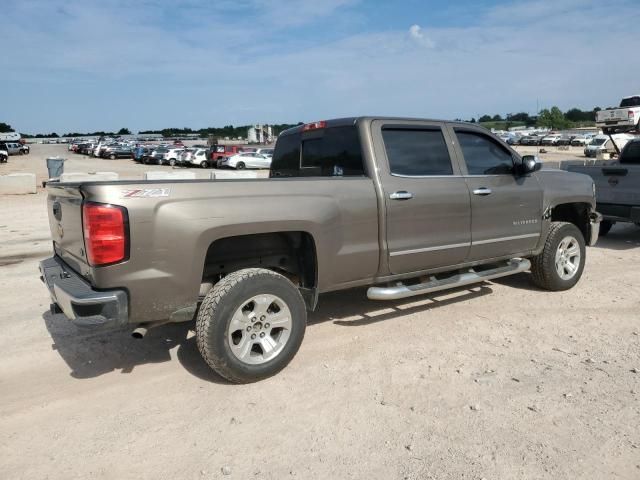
<point>549,118</point>
<point>226,131</point>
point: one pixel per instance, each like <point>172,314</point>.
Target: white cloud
<point>416,33</point>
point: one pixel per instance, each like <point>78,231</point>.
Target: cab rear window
<point>631,153</point>
<point>330,152</point>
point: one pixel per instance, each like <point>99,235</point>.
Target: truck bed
<point>617,188</point>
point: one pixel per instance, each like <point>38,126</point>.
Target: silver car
<point>247,160</point>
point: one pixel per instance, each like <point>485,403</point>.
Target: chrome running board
<point>516,265</point>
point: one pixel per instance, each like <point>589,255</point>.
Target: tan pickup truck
<point>403,206</point>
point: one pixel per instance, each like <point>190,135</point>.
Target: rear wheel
<point>240,166</point>
<point>172,162</point>
<point>560,264</point>
<point>204,164</point>
<point>250,325</point>
<point>112,156</point>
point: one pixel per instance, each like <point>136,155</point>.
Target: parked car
<point>250,257</point>
<point>141,153</point>
<point>117,152</point>
<point>565,140</point>
<point>551,139</point>
<point>197,156</point>
<point>218,152</point>
<point>530,140</point>
<point>157,155</point>
<point>15,148</point>
<point>246,160</point>
<point>617,186</point>
<point>622,119</point>
<point>581,140</point>
<point>171,156</point>
<point>4,153</point>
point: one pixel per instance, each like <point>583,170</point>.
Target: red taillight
<point>314,126</point>
<point>105,233</point>
<point>630,114</point>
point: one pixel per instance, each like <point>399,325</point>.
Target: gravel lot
<point>498,381</point>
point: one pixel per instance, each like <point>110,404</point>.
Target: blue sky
<point>81,65</point>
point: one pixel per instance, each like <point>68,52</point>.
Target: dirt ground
<point>498,381</point>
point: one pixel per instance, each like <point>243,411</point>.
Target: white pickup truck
<point>624,118</point>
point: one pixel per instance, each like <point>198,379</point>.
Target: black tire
<point>240,166</point>
<point>204,164</point>
<point>112,157</point>
<point>543,266</point>
<point>218,308</point>
<point>605,226</point>
<point>172,162</point>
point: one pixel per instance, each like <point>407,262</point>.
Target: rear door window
<point>416,152</point>
<point>330,152</point>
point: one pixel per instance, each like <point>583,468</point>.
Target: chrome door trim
<point>429,249</point>
<point>505,239</point>
<point>459,245</point>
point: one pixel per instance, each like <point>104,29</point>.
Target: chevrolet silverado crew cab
<point>403,206</point>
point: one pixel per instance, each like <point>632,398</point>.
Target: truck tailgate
<point>613,116</point>
<point>64,207</point>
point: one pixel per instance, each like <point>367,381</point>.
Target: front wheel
<point>560,264</point>
<point>250,325</point>
<point>240,166</point>
<point>204,164</point>
<point>112,157</point>
<point>172,162</point>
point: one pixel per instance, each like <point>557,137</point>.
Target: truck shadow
<point>351,308</point>
<point>622,236</point>
<point>92,354</point>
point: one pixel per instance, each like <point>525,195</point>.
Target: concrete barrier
<point>18,183</point>
<point>160,175</point>
<point>226,175</point>
<point>89,177</point>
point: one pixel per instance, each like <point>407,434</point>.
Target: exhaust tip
<point>139,333</point>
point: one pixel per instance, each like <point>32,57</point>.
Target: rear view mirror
<point>530,164</point>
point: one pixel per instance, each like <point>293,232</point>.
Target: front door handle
<point>482,191</point>
<point>401,195</point>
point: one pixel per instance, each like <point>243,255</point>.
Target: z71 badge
<point>146,193</point>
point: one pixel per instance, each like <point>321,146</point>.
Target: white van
<point>602,143</point>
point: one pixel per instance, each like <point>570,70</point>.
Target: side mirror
<point>530,164</point>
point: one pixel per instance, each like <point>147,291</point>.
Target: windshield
<point>598,141</point>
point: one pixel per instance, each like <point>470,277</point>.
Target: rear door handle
<point>401,195</point>
<point>482,191</point>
